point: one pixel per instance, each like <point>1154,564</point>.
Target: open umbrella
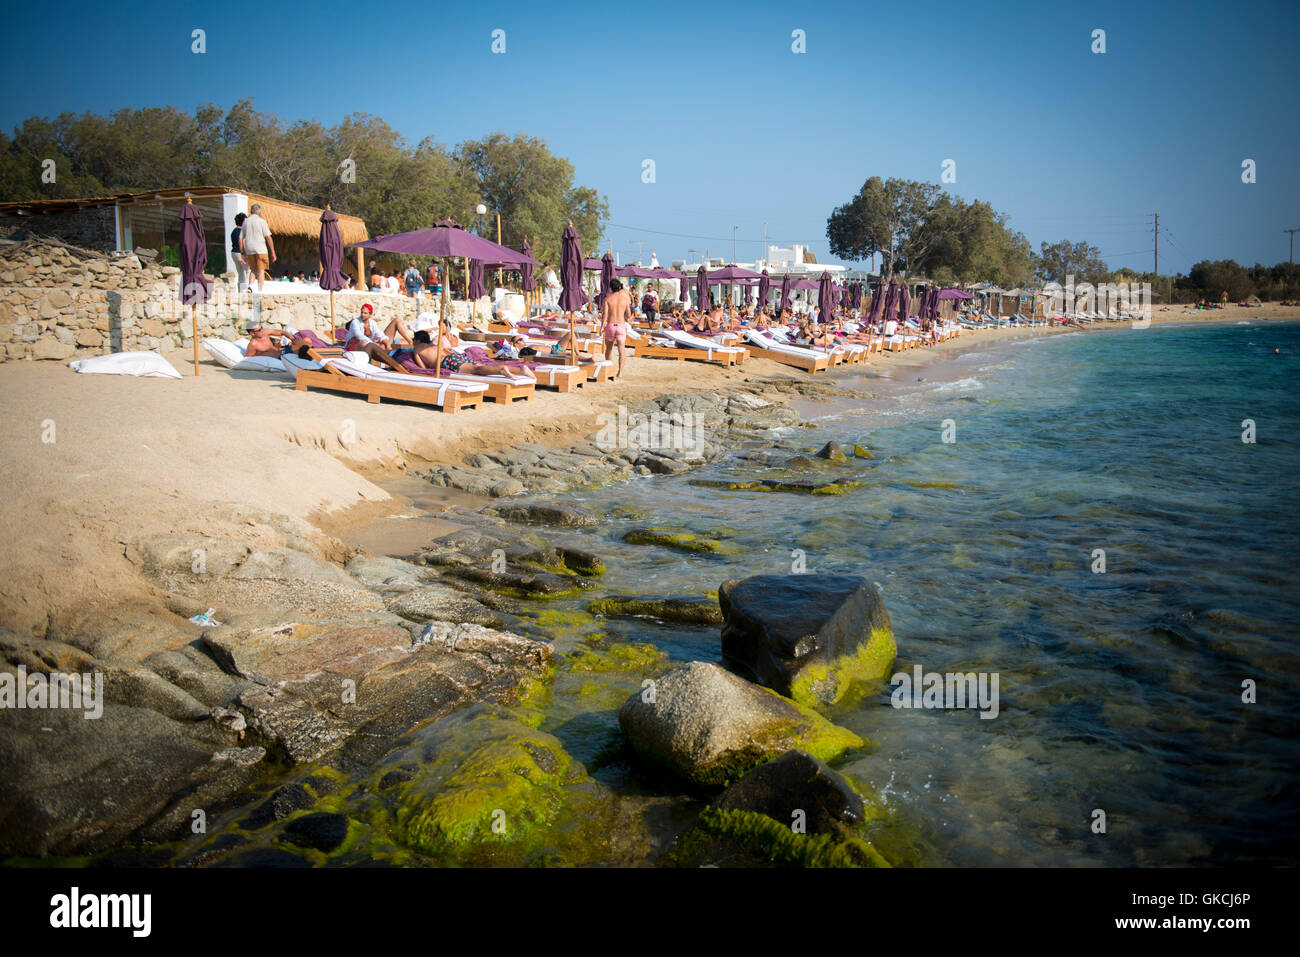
<point>195,287</point>
<point>331,258</point>
<point>572,297</point>
<point>445,240</point>
<point>825,299</point>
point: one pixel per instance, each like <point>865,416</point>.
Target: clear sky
<point>1069,143</point>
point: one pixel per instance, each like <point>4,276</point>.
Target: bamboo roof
<point>284,218</point>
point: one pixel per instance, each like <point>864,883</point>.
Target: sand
<point>131,459</point>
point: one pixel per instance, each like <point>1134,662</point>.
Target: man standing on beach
<point>256,244</point>
<point>650,305</point>
<point>615,320</point>
<point>241,264</point>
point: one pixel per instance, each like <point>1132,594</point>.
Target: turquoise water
<point>1120,691</point>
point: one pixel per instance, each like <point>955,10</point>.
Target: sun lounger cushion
<point>226,353</point>
<point>367,371</point>
<point>127,363</point>
<point>697,342</point>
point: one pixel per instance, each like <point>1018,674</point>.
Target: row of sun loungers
<point>334,369</point>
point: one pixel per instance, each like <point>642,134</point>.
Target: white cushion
<point>127,363</point>
<point>226,353</point>
<point>260,364</point>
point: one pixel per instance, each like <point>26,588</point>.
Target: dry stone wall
<point>63,302</point>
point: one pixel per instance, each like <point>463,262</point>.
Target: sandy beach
<point>134,458</point>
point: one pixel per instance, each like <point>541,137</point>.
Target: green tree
<point>1056,261</point>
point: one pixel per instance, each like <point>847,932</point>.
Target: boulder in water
<point>814,638</point>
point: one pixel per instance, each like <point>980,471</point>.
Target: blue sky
<point>1069,143</point>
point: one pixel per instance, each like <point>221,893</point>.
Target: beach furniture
<point>673,344</point>
<point>797,356</point>
<point>352,372</point>
<point>503,389</point>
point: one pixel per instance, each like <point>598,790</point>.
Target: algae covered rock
<point>488,785</point>
<point>677,541</point>
<point>816,638</point>
<point>635,657</point>
<point>685,611</point>
<point>723,838</point>
<point>712,727</point>
<point>796,787</point>
<point>566,516</point>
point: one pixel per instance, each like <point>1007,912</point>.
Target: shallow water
<point>1120,690</point>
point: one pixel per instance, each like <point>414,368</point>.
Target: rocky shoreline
<point>340,708</point>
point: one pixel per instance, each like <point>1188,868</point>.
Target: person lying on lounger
<point>454,358</point>
<point>260,341</point>
<point>301,341</point>
<point>364,335</point>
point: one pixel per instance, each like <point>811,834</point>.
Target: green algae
<point>849,678</point>
<point>504,783</point>
<point>836,487</point>
<point>677,541</point>
<point>634,657</point>
<point>749,838</point>
<point>862,452</point>
<point>687,611</point>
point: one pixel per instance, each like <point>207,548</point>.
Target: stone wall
<point>93,228</point>
<point>60,302</point>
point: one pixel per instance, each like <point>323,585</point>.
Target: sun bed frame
<point>374,390</point>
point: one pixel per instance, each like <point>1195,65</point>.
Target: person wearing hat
<point>364,335</point>
<point>259,340</point>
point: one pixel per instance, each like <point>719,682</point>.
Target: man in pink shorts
<point>615,317</point>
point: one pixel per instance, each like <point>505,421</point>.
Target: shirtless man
<point>425,354</point>
<point>259,341</point>
<point>615,318</point>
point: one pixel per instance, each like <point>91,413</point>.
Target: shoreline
<point>140,503</point>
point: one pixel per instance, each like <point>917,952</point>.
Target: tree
<point>886,218</point>
<point>533,191</point>
<point>1057,261</point>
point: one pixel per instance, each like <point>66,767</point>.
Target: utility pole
<point>1291,259</point>
<point>1157,216</point>
<point>733,243</point>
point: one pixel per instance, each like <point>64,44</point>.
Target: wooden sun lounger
<point>503,393</point>
<point>332,380</point>
<point>818,363</point>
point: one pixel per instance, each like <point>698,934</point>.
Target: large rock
<point>712,726</point>
<point>563,515</point>
<point>794,782</point>
<point>816,638</point>
<point>356,681</point>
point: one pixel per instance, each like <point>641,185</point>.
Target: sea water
<point>1107,521</point>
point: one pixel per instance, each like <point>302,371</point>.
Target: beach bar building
<point>150,219</point>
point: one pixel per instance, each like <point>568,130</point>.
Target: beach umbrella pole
<point>194,319</point>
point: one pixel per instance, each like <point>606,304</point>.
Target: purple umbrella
<point>606,277</point>
<point>476,289</point>
<point>443,240</point>
<point>749,295</point>
<point>855,301</point>
<point>526,280</point>
<point>891,299</point>
<point>702,299</point>
<point>195,287</point>
<point>764,287</point>
<point>331,257</point>
<point>785,292</point>
<point>877,301</point>
<point>904,302</point>
<point>825,299</point>
<point>572,298</point>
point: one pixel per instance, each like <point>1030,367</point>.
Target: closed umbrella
<point>606,278</point>
<point>891,299</point>
<point>195,287</point>
<point>331,259</point>
<point>702,290</point>
<point>904,302</point>
<point>572,297</point>
<point>526,281</point>
<point>825,299</point>
<point>764,287</point>
<point>785,293</point>
<point>877,301</point>
<point>855,301</point>
<point>476,289</point>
